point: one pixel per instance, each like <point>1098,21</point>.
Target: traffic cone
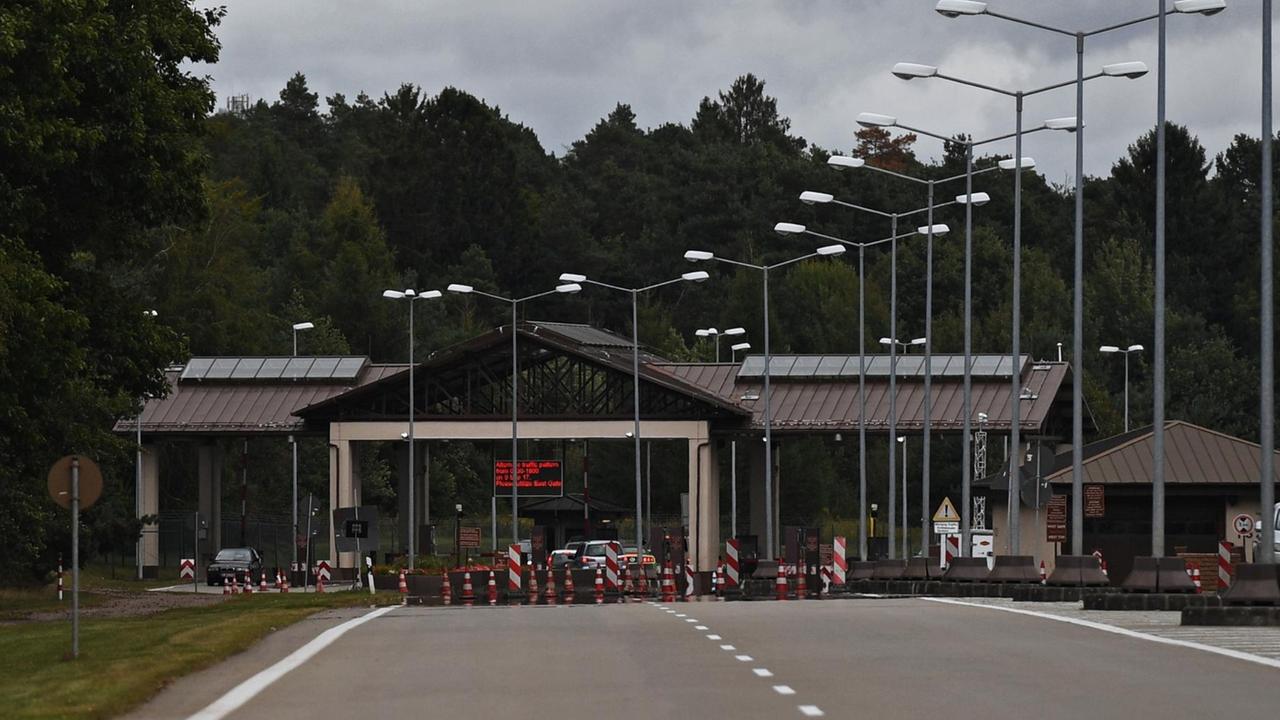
<point>715,582</point>
<point>468,593</point>
<point>1043,576</point>
<point>226,588</point>
<point>568,587</point>
<point>627,587</point>
<point>279,580</point>
<point>550,594</point>
<point>319,583</point>
<point>284,583</point>
<point>665,586</point>
<point>642,581</point>
<point>780,584</point>
<point>248,584</point>
<point>446,590</point>
<point>802,583</point>
<point>533,586</point>
<point>235,585</point>
<point>262,584</point>
<point>599,587</point>
<point>404,585</point>
<point>493,590</point>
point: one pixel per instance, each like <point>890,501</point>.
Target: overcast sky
<point>558,66</point>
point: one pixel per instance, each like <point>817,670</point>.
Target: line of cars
<point>590,554</point>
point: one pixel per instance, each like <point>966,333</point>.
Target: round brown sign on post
<point>60,481</point>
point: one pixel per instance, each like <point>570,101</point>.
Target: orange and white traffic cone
<point>802,583</point>
<point>235,585</point>
<point>248,584</point>
<point>1043,576</point>
<point>404,584</point>
<point>468,593</point>
<point>533,586</point>
<point>493,590</point>
<point>642,582</point>
<point>262,583</point>
<point>226,588</point>
<point>780,587</point>
<point>284,583</point>
<point>568,587</point>
<point>319,583</point>
<point>627,587</point>
<point>279,580</point>
<point>599,587</point>
<point>550,594</point>
<point>446,590</point>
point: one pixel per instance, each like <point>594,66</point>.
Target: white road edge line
<point>1236,654</point>
<point>237,696</point>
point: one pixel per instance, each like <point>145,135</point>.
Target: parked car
<point>242,563</point>
<point>628,557</point>
<point>560,559</point>
<point>591,554</point>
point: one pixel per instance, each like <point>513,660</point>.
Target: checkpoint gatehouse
<point>575,382</point>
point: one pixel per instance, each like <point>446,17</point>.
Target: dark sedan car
<point>241,563</point>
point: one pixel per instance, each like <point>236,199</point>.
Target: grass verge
<point>124,661</point>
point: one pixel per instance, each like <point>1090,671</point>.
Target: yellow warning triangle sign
<point>946,512</point>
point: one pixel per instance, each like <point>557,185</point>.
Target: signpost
<point>946,520</point>
<point>75,482</point>
<point>1243,525</point>
<point>355,528</point>
<point>1095,501</point>
<point>469,539</point>
<point>1055,528</point>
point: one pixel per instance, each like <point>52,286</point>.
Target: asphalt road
<point>875,658</point>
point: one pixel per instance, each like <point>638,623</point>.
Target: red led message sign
<point>538,478</point>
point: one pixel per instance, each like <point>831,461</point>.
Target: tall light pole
<point>574,278</point>
<point>930,230</point>
<point>906,529</point>
<point>293,449</point>
<point>1267,401</point>
<point>137,479</point>
<point>1126,351</point>
<point>705,255</point>
<point>411,296</point>
<point>960,8</point>
<point>893,343</point>
<point>515,377</point>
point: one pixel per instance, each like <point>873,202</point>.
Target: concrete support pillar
<point>704,500</point>
<point>210,498</point>
<point>150,506</point>
<point>344,491</point>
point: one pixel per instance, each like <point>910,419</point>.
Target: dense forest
<point>122,191</point>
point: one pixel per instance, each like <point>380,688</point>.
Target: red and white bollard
<point>550,594</point>
<point>611,574</point>
<point>404,585</point>
<point>599,587</point>
<point>248,583</point>
<point>1193,572</point>
<point>279,579</point>
<point>446,590</point>
<point>780,585</point>
<point>284,583</point>
<point>320,582</point>
<point>689,581</point>
<point>1043,576</point>
<point>802,582</point>
<point>262,582</point>
<point>493,589</point>
<point>627,586</point>
<point>59,578</point>
<point>533,586</point>
<point>1224,565</point>
<point>226,588</point>
<point>468,592</point>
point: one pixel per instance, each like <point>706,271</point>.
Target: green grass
<point>18,603</point>
<point>124,661</point>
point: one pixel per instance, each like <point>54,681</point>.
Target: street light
<point>1266,291</point>
<point>695,276</point>
<point>567,287</point>
<point>739,347</point>
<point>712,332</point>
<point>704,256</point>
<point>1131,349</point>
<point>137,488</point>
<point>411,296</point>
<point>958,8</point>
<point>296,328</point>
<point>906,530</point>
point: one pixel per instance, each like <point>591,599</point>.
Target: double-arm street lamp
<point>961,8</point>
<point>906,345</point>
<point>411,296</point>
<point>712,332</point>
<point>575,280</point>
<point>515,378</point>
<point>293,448</point>
<point>705,255</point>
<point>1117,349</point>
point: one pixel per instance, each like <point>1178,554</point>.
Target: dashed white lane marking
<point>743,658</point>
<point>237,696</point>
<point>680,615</point>
<point>714,637</point>
<point>728,647</point>
<point>784,690</point>
<point>1247,657</point>
<point>671,612</point>
<point>762,672</point>
<point>704,627</point>
<point>691,620</point>
<point>811,711</point>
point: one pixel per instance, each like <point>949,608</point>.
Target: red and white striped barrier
<point>186,569</point>
<point>688,581</point>
<point>513,572</point>
<point>323,572</point>
<point>668,584</point>
<point>1224,565</point>
<point>950,549</point>
<point>732,548</point>
<point>611,567</point>
<point>840,563</point>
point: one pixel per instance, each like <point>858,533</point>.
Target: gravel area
<point>125,603</point>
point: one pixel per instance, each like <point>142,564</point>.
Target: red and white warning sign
<point>187,569</point>
<point>322,570</point>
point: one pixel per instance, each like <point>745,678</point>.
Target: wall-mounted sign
<point>1095,501</point>
<point>538,478</point>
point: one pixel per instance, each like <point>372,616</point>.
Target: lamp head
<point>977,199</point>
<point>457,288</point>
<point>1062,123</point>
<point>956,8</point>
<point>844,161</point>
<point>939,229</point>
<point>303,326</point>
<point>784,228</point>
<point>831,250</point>
<point>430,294</point>
<point>392,294</point>
<point>1010,163</point>
<point>917,341</point>
<point>572,277</point>
<point>568,288</point>
<point>1201,7</point>
<point>701,332</point>
<point>736,331</point>
<point>698,255</point>
<point>872,120</point>
<point>1130,70</point>
<point>1135,348</point>
<point>982,417</point>
<point>741,346</point>
<point>886,341</point>
<point>695,276</point>
<point>910,71</point>
<point>1108,349</point>
<point>809,197</point>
